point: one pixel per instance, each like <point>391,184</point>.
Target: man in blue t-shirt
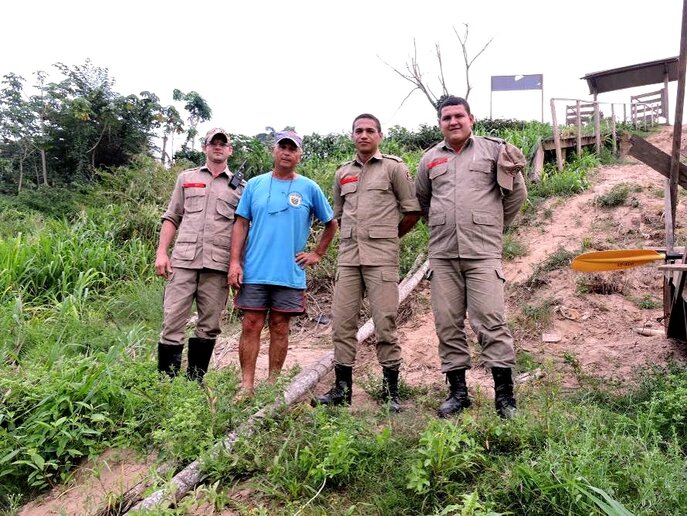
<point>268,255</point>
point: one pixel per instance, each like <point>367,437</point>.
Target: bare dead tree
<point>413,73</point>
<point>468,61</point>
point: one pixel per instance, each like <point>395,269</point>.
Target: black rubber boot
<point>457,399</point>
<point>169,358</point>
<point>503,387</point>
<point>341,392</point>
<point>390,389</point>
<point>199,353</point>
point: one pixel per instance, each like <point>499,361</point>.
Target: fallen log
<point>302,384</point>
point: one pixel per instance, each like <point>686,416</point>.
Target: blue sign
<point>517,82</point>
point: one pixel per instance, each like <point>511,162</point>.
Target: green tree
<point>198,111</point>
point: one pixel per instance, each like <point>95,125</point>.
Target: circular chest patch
<point>295,199</point>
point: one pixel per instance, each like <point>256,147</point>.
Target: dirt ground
<point>592,331</point>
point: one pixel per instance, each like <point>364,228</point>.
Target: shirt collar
<point>376,156</point>
<point>467,143</point>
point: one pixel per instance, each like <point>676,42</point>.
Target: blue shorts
<point>253,296</point>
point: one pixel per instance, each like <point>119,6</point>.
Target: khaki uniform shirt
<point>202,208</point>
<point>370,200</point>
<point>466,209</point>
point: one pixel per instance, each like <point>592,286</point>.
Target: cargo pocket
<point>436,219</point>
<point>390,276</point>
<point>185,247</point>
<point>384,232</point>
<point>225,209</point>
<point>220,249</point>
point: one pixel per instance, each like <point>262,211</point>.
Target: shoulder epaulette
<point>345,163</point>
<point>392,157</point>
<point>494,139</point>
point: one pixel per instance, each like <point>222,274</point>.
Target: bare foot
<point>243,394</point>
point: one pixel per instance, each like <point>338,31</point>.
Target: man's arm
<point>304,259</point>
<point>514,199</point>
<point>407,222</point>
<point>238,241</point>
<point>163,267</point>
<point>423,187</point>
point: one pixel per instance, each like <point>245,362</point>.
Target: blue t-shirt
<point>280,214</point>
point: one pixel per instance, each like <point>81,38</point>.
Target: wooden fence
<point>649,107</point>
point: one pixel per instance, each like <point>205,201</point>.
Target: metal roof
<point>641,74</point>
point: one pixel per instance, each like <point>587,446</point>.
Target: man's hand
<point>163,267</point>
<point>235,275</point>
<point>304,259</point>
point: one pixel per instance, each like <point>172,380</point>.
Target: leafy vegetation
<point>80,313</point>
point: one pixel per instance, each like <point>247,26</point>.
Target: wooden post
<point>578,123</point>
<point>615,143</point>
<point>624,113</point>
<point>542,99</point>
<point>677,131</point>
<point>597,127</point>
<point>557,136</point>
<point>665,99</point>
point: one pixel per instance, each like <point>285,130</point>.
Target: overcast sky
<point>316,65</point>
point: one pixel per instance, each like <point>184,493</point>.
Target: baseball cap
<point>214,132</point>
<point>510,162</point>
<point>289,135</point>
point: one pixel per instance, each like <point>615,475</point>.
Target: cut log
<point>650,332</point>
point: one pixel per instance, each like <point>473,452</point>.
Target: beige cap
<point>214,132</point>
<point>510,162</point>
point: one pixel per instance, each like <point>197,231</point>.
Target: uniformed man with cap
<point>470,188</point>
<point>201,215</point>
<point>374,200</point>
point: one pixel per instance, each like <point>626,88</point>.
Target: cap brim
<point>286,139</point>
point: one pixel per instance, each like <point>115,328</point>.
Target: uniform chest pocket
<point>225,209</point>
<point>482,173</point>
<point>349,188</point>
<point>378,186</point>
<point>194,200</point>
<point>438,173</point>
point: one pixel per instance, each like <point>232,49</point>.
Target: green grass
<point>80,312</point>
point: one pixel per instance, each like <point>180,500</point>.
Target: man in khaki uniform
<point>375,202</point>
<point>470,188</point>
<point>202,211</point>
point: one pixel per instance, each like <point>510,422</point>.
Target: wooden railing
<point>649,107</point>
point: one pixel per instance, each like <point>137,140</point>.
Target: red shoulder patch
<point>350,179</point>
<point>193,185</point>
<point>436,162</point>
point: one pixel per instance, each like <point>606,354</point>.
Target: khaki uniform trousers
<point>381,284</point>
<point>208,288</point>
<point>475,286</point>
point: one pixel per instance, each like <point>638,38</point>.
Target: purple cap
<point>289,135</point>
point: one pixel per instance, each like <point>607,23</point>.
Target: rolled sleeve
<point>175,208</point>
<point>423,190</point>
<point>405,189</point>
